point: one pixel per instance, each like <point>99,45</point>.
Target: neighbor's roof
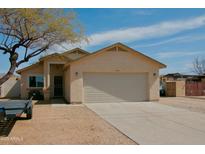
<point>123,46</point>
<point>179,75</point>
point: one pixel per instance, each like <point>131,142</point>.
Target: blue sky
<point>173,36</point>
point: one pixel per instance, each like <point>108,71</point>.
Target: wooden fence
<point>195,89</point>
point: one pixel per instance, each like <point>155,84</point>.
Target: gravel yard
<point>196,104</point>
<point>62,124</point>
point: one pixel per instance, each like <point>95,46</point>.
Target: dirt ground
<point>196,104</point>
<point>61,124</point>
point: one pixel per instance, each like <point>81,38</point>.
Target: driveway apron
<point>152,123</point>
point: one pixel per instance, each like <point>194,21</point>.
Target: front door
<point>58,86</point>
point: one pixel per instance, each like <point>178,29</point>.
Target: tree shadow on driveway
<point>6,127</point>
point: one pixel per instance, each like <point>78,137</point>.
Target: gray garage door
<point>115,87</point>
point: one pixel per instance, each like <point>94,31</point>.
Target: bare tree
<point>26,33</point>
<point>199,66</point>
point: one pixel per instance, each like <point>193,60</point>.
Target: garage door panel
<point>114,87</point>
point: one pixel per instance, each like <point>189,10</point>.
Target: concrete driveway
<point>152,123</point>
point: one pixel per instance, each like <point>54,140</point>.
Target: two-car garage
<point>115,87</point>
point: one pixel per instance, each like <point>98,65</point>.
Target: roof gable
<point>115,47</point>
<point>75,53</point>
<point>63,56</point>
<point>121,47</point>
<point>28,67</point>
<point>41,60</point>
<point>54,55</point>
<point>76,50</point>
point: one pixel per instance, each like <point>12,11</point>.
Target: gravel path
<point>63,124</point>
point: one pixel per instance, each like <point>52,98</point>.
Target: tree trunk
<point>9,73</point>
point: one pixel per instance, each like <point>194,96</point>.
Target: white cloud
<point>172,40</point>
<point>138,33</point>
<point>181,39</point>
<point>189,65</point>
<point>171,54</point>
<point>152,31</point>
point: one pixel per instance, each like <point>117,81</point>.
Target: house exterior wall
<point>67,84</point>
<point>37,70</point>
<point>112,61</point>
<point>48,70</point>
<point>10,88</point>
<point>180,88</point>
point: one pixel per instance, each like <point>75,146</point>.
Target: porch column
<point>46,89</point>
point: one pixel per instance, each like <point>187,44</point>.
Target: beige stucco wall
<point>49,72</point>
<point>180,88</point>
<point>67,84</point>
<point>36,70</point>
<point>48,68</point>
<point>112,61</point>
<point>10,88</point>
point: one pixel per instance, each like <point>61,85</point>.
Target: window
<point>36,81</point>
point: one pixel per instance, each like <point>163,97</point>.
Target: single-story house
<point>10,88</point>
<point>116,73</point>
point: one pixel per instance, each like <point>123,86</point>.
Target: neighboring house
<point>116,73</point>
<point>176,84</point>
<point>10,88</point>
<point>182,77</point>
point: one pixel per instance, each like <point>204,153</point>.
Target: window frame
<point>35,75</point>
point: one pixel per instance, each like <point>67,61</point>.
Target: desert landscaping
<point>62,124</point>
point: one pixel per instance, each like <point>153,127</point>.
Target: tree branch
<point>11,70</point>
<point>33,54</point>
<point>199,66</point>
<point>29,32</point>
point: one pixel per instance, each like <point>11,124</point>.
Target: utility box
<point>175,88</point>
